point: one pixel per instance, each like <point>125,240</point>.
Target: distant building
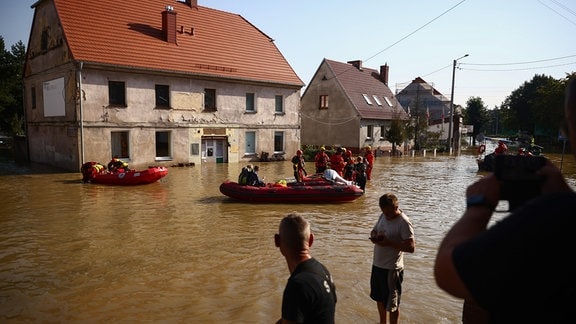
<point>349,105</point>
<point>424,100</point>
<point>154,83</point>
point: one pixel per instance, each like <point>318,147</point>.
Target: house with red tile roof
<point>348,105</point>
<point>154,83</point>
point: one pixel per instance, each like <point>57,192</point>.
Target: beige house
<point>349,105</point>
<point>154,83</point>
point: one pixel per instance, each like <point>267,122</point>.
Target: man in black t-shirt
<point>310,294</point>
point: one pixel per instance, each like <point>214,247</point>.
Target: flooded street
<point>178,251</point>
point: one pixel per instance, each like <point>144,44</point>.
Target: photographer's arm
<point>553,179</point>
<point>473,222</point>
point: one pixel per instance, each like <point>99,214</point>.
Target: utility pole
<point>451,121</point>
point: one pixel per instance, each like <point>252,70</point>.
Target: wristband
<point>478,200</point>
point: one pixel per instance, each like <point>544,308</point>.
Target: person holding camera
<point>518,269</point>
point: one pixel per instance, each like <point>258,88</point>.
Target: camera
<point>520,182</point>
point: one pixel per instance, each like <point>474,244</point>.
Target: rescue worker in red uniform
<point>369,159</point>
<point>321,160</point>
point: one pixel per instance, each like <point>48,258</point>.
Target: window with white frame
<point>369,131</point>
<point>367,99</point>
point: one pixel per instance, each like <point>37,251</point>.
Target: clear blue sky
<point>415,38</point>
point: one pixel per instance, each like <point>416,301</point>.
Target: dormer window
<point>378,102</point>
<point>388,101</point>
<point>368,101</point>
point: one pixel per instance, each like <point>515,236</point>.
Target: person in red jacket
<point>337,162</point>
<point>501,148</point>
<point>321,160</point>
<point>298,165</point>
<point>369,159</point>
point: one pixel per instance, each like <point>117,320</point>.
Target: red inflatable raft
<point>126,178</point>
<point>293,193</point>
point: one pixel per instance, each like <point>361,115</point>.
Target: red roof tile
<point>130,34</point>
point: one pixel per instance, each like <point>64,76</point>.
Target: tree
<point>518,106</point>
<point>536,108</point>
<point>395,134</point>
<point>11,88</point>
<point>476,114</point>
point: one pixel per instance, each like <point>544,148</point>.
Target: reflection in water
<point>179,251</point>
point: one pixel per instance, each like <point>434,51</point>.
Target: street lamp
<point>450,139</point>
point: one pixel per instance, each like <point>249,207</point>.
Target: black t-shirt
<point>310,294</point>
<point>520,270</point>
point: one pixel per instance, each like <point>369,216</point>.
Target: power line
<point>519,63</point>
<point>559,14</point>
<point>415,31</point>
<point>520,69</point>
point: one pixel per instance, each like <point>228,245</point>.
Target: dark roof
<point>208,42</point>
<point>365,81</point>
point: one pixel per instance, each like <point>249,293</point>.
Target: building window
<point>388,101</point>
<point>210,99</point>
<point>250,105</point>
<point>250,143</point>
<point>163,146</point>
<point>279,107</point>
<point>324,102</point>
<point>116,94</point>
<point>382,132</point>
<point>33,95</point>
<point>120,145</point>
<point>278,142</point>
<point>378,102</point>
<point>162,96</point>
<point>195,149</point>
<point>368,101</point>
<point>370,131</point>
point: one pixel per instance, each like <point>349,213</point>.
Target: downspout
<point>79,78</point>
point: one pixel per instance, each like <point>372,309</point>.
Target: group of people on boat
<point>249,176</point>
<point>339,168</point>
<point>351,169</point>
<point>91,169</point>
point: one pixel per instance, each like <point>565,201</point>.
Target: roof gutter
<point>79,82</point>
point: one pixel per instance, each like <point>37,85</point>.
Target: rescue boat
<point>292,193</point>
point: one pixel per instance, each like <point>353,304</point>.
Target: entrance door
<point>215,150</point>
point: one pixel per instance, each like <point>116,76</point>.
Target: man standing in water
<point>310,294</point>
<point>519,269</point>
<point>392,235</point>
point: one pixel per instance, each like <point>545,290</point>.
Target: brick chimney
<point>192,3</point>
<point>357,64</point>
<point>169,25</point>
<point>384,73</point>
